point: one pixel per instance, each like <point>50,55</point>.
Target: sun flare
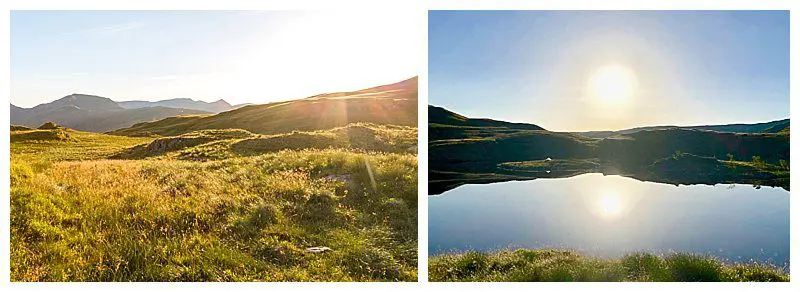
<point>613,84</point>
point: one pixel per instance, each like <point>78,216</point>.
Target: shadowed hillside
<point>389,104</point>
<point>441,116</point>
<point>768,127</point>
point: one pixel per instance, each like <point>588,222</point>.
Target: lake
<point>609,216</point>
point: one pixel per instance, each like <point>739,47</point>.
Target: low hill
<point>767,127</point>
<point>441,116</point>
<point>458,143</point>
<point>90,113</point>
<point>185,103</point>
<point>645,147</point>
<point>394,104</point>
<point>19,128</point>
<point>444,124</point>
<point>218,144</point>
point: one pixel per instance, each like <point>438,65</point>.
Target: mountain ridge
<point>443,116</point>
<point>217,106</point>
<point>774,126</point>
<point>394,103</point>
<point>90,113</point>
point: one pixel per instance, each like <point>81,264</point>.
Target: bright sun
<point>613,84</point>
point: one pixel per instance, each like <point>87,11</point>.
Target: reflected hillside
<point>474,151</point>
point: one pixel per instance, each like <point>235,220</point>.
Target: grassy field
<point>548,265</point>
<point>95,207</point>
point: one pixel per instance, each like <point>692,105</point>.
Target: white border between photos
<point>421,6</point>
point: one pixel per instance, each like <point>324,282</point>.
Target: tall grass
<point>548,265</point>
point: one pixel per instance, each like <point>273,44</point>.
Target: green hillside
<point>394,104</point>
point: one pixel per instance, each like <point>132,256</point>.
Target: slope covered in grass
<point>394,104</point>
<point>81,210</point>
<point>547,265</point>
<point>218,144</point>
<point>44,146</point>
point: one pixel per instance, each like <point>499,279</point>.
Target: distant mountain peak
<point>83,101</point>
<point>221,102</point>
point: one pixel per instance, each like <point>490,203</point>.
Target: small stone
<point>318,249</point>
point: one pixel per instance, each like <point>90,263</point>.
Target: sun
<point>613,84</point>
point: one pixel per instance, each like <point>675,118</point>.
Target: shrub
<point>758,161</point>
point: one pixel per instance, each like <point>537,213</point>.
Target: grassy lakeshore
<point>549,265</point>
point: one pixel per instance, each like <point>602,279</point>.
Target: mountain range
<point>386,104</point>
<point>91,113</point>
<point>184,103</point>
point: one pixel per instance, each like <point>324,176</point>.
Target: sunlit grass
<point>548,265</point>
<point>78,216</point>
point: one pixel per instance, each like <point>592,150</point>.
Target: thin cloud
<point>113,29</point>
<point>165,77</point>
<point>66,75</point>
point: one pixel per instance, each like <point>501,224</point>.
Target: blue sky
<point>690,67</point>
<point>239,56</point>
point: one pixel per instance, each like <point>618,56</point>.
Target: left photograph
<point>213,146</point>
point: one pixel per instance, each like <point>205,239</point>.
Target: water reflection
<point>612,215</point>
<point>610,204</point>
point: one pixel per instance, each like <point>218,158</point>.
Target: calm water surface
<point>609,216</point>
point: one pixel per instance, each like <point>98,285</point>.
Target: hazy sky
<point>239,56</point>
<point>690,68</point>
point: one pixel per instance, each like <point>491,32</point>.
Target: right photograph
<point>608,146</point>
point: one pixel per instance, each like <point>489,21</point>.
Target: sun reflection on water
<point>610,204</point>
